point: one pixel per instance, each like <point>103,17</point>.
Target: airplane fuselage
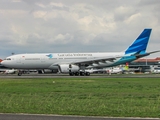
<point>51,60</point>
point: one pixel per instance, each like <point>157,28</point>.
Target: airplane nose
<point>5,63</point>
<point>2,63</point>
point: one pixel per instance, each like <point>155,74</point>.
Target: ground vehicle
<point>156,70</point>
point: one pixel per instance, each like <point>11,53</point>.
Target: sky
<point>55,26</point>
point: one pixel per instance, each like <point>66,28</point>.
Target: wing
<point>91,62</point>
<point>95,62</point>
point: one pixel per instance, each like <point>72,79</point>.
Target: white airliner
<point>8,71</point>
<point>115,70</point>
<point>76,63</point>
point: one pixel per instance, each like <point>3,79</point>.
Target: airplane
<point>110,70</point>
<point>76,63</point>
<point>8,71</point>
<point>114,70</point>
<point>155,69</point>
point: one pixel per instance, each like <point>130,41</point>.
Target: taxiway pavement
<point>61,117</point>
<point>91,76</point>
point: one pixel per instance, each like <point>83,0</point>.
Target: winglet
<point>140,44</point>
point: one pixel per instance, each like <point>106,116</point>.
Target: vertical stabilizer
<point>140,44</point>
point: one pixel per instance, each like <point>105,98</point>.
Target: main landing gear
<point>79,73</point>
<point>20,73</point>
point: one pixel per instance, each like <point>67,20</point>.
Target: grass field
<point>117,97</point>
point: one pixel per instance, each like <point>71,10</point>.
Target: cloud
<point>75,26</point>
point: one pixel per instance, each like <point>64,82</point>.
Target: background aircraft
<point>8,71</point>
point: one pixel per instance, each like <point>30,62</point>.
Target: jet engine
<point>67,68</point>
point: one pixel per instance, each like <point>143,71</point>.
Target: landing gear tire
<point>82,73</point>
<point>77,74</point>
<point>87,74</point>
<point>71,73</point>
<point>19,74</point>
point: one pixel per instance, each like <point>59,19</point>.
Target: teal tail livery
<point>77,63</point>
<point>140,44</point>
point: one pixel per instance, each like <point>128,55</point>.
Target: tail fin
<point>140,44</point>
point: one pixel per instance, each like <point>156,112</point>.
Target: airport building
<point>146,65</point>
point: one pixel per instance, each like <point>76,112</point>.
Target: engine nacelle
<point>66,68</point>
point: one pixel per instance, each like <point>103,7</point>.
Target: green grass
<point>117,97</point>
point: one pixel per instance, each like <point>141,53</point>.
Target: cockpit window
<point>8,59</point>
